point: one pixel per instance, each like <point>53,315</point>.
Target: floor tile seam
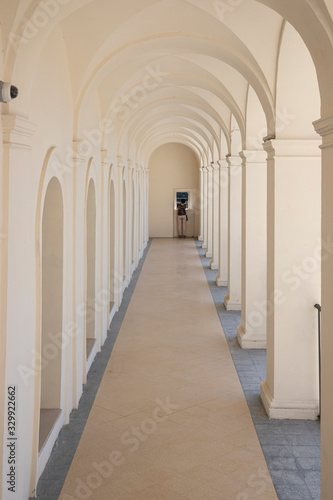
<point>111,411</point>
<point>187,358</point>
<point>217,322</point>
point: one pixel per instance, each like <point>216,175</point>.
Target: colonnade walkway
<point>170,420</point>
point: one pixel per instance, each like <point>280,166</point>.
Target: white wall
<point>172,166</point>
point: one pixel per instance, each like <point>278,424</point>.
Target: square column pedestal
<point>251,333</point>
<point>291,388</point>
<point>232,300</point>
<point>222,277</point>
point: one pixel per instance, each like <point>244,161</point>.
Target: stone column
<point>132,210</point>
<point>324,127</point>
<point>209,251</point>
<point>19,297</point>
<point>78,159</point>
<point>216,219</point>
<point>222,277</point>
<point>146,205</point>
<point>293,278</point>
<point>204,206</point>
<point>200,238</point>
<point>129,235</point>
<point>232,300</point>
<point>251,333</point>
<point>120,215</point>
<point>142,200</point>
<point>136,218</point>
<point>137,209</point>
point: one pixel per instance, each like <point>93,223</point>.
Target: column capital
<point>292,148</point>
<point>324,127</point>
<point>215,165</point>
<point>234,161</point>
<point>209,168</point>
<point>17,132</point>
<point>105,160</point>
<point>121,162</point>
<point>79,151</point>
<point>223,163</point>
<point>253,156</point>
<point>204,170</point>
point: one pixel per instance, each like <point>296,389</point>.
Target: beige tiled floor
<point>170,420</point>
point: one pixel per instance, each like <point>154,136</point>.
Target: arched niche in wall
<point>91,269</point>
<point>52,308</point>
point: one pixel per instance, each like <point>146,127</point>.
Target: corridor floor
<point>170,420</point>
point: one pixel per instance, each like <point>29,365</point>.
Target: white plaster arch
<point>296,84</point>
<point>26,37</point>
<point>167,138</point>
<point>189,137</point>
<point>204,116</point>
<point>183,127</point>
<point>172,83</point>
<point>255,122</point>
<point>316,29</point>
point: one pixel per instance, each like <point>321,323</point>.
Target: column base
<point>231,305</point>
<point>221,282</point>
<point>200,238</point>
<point>126,282</point>
<point>247,342</point>
<point>292,410</point>
<point>208,254</point>
<point>204,245</point>
<point>214,266</point>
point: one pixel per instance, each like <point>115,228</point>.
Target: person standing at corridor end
<point>182,217</point>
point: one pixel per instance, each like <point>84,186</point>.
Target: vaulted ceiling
<point>166,70</point>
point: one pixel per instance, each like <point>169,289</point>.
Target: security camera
<point>7,92</point>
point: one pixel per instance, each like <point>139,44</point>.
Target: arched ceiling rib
<point>194,134</point>
<point>171,137</point>
<point>156,109</point>
<point>189,122</point>
<point>195,79</point>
